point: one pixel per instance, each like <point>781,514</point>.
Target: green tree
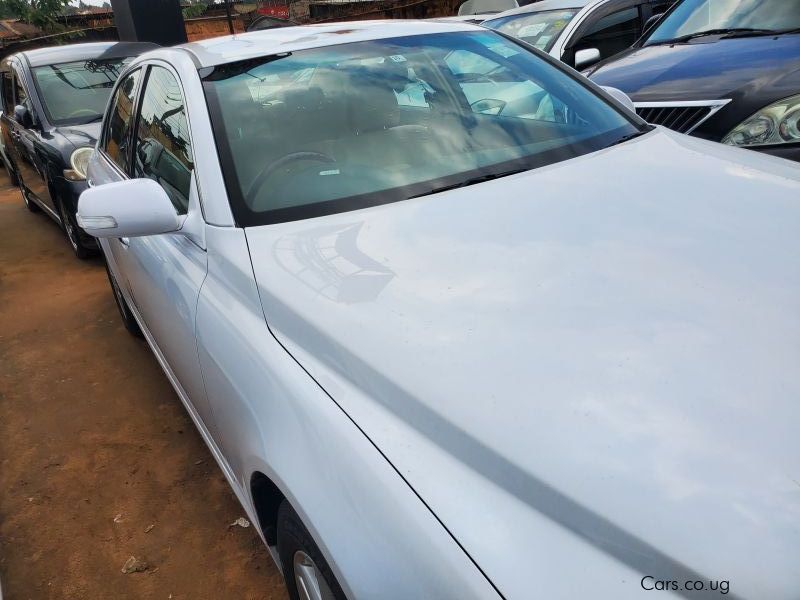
<point>193,10</point>
<point>42,13</point>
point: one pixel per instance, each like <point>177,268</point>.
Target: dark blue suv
<point>723,70</point>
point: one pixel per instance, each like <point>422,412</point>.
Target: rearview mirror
<point>23,116</point>
<point>131,208</point>
<point>586,57</point>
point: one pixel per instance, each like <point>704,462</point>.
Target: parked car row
<point>723,70</point>
<point>580,32</point>
<point>454,321</point>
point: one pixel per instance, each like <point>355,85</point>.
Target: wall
<point>100,25</point>
<point>208,27</point>
<point>382,9</point>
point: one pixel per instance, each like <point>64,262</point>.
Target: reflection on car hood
<point>588,372</point>
<point>82,135</point>
<point>706,70</point>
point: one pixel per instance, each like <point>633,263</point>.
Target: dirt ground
<point>98,459</point>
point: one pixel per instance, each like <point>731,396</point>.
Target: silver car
<point>449,345</point>
<point>580,32</point>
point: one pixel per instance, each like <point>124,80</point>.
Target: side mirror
<point>131,208</point>
<point>586,57</point>
<point>620,97</point>
<point>23,116</point>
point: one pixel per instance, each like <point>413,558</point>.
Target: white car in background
<point>473,19</point>
<point>449,346</point>
<point>580,32</point>
<point>487,7</point>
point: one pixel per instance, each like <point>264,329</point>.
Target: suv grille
<point>683,117</point>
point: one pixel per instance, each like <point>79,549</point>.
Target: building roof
<point>232,48</point>
<point>13,30</point>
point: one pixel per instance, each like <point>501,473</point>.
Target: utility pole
<point>228,14</point>
<point>158,21</point>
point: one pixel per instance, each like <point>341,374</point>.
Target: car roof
<point>545,5</point>
<point>233,48</point>
<point>94,50</point>
<point>475,7</point>
<point>465,18</point>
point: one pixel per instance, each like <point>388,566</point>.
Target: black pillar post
<point>157,21</point>
<point>228,14</point>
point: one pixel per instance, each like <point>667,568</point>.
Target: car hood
<point>588,371</point>
<point>706,70</point>
<point>81,135</point>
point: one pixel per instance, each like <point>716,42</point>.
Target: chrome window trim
<point>214,203</point>
<point>148,64</point>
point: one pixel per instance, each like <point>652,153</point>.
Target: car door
<point>163,273</point>
<point>26,146</point>
<point>610,28</point>
<point>7,91</point>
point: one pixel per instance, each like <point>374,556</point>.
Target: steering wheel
<point>83,112</point>
<point>485,105</point>
<point>278,163</point>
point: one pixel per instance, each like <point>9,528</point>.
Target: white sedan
<point>448,344</point>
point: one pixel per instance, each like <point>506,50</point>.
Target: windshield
<point>343,127</point>
<point>77,92</point>
<point>698,16</point>
<point>539,29</point>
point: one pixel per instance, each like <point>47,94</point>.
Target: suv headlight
<point>79,162</point>
<point>778,123</point>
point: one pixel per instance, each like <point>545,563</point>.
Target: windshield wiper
<point>760,32</point>
<point>471,181</point>
<point>627,138</point>
<point>727,32</point>
<point>94,119</point>
<point>784,31</point>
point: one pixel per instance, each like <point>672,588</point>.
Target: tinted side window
<point>163,147</point>
<point>117,139</point>
<point>19,88</point>
<point>8,93</point>
<point>613,33</point>
<point>661,6</point>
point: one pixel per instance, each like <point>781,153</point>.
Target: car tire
<point>70,226</point>
<point>124,310</point>
<point>305,570</point>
